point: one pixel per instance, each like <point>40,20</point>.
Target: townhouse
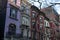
<point>25,20</point>
<point>47,29</point>
<point>37,24</point>
<point>53,17</point>
<point>12,23</point>
<point>17,22</point>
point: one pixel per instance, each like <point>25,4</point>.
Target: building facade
<point>37,24</point>
<point>12,23</point>
<point>47,28</point>
<point>53,17</point>
<point>25,20</point>
<point>33,23</point>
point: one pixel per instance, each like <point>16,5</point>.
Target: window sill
<point>13,18</point>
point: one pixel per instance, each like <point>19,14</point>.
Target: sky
<point>46,3</point>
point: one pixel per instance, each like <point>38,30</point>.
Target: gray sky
<point>46,3</point>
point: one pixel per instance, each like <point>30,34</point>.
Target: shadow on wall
<point>3,4</point>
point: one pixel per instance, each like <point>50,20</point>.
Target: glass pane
<point>25,33</point>
<point>15,1</point>
<point>41,19</point>
<point>13,11</point>
<point>33,15</point>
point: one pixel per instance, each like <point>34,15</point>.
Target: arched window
<point>12,29</point>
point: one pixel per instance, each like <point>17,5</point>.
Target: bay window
<point>25,21</point>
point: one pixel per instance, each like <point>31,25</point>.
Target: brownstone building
<point>37,24</point>
<point>53,17</point>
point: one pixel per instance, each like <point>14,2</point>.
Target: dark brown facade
<point>53,16</point>
<point>37,24</point>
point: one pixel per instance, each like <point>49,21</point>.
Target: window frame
<point>34,15</point>
<point>15,1</point>
<point>12,30</point>
<point>41,20</point>
<point>11,14</point>
<point>33,25</point>
<point>25,19</point>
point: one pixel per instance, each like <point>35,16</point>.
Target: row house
<point>47,28</point>
<point>17,22</point>
<point>37,24</point>
<point>58,30</point>
<point>53,17</point>
<point>25,20</point>
<point>12,22</point>
<point>33,22</point>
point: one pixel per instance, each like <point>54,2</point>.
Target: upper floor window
<point>27,10</point>
<point>15,1</point>
<point>13,12</point>
<point>41,19</point>
<point>40,26</point>
<point>22,8</point>
<point>33,24</point>
<point>46,23</point>
<point>25,20</point>
<point>33,15</point>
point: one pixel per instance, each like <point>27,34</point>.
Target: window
<point>22,8</point>
<point>44,23</point>
<point>41,19</point>
<point>22,32</point>
<point>33,24</point>
<point>15,1</point>
<point>33,35</point>
<point>25,32</point>
<point>46,31</point>
<point>47,24</point>
<point>25,20</point>
<point>13,12</point>
<point>27,11</point>
<point>29,34</point>
<point>40,27</point>
<point>12,29</point>
<point>33,15</point>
